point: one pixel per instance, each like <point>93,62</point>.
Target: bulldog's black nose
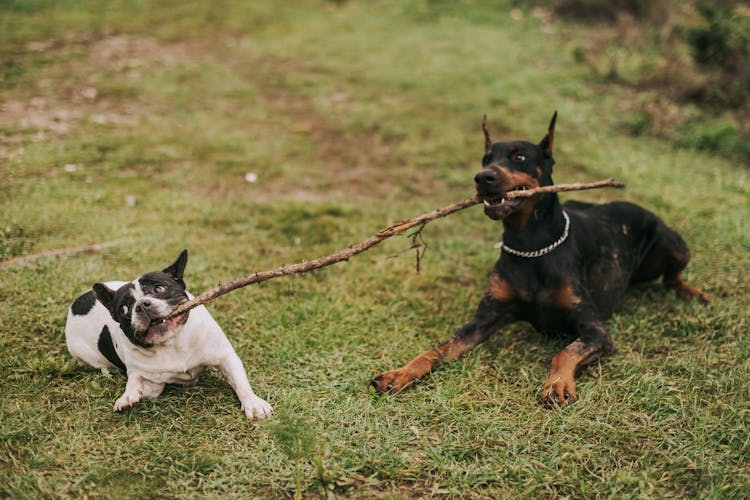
<point>486,177</point>
<point>143,305</point>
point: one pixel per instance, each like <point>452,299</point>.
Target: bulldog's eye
<point>519,157</point>
<point>159,288</point>
<point>124,310</point>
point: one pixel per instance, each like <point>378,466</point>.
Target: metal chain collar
<point>542,251</point>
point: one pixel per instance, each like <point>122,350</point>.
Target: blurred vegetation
<point>721,47</point>
<point>296,439</point>
<point>688,59</point>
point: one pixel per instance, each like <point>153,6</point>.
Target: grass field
<point>139,121</point>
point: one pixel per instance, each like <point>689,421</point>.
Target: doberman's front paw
<point>393,381</point>
<point>559,389</point>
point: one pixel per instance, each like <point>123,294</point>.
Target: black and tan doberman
<point>563,267</point>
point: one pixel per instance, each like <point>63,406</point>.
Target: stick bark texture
<point>384,234</point>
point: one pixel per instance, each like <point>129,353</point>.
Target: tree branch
<point>393,230</point>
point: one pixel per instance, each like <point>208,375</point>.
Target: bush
<point>611,10</point>
<point>721,46</point>
<point>719,136</point>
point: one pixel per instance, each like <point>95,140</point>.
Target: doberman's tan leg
<point>400,379</point>
<point>490,316</point>
<point>560,387</point>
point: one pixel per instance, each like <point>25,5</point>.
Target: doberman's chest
<point>561,294</point>
<point>548,306</point>
<point>551,295</point>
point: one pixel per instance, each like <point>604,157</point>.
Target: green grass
<point>353,115</point>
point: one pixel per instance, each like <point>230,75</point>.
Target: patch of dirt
<point>363,163</point>
<point>55,108</point>
<point>127,53</point>
<point>355,163</point>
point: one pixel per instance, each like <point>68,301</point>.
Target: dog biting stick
<point>393,230</point>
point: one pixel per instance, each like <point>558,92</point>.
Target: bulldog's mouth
<point>158,329</point>
<point>497,206</point>
<point>160,326</point>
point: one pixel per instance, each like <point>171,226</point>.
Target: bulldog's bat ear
<point>546,143</point>
<point>177,268</point>
<point>104,294</point>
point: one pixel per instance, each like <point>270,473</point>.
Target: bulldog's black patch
<point>83,304</point>
<point>107,348</point>
<point>163,286</point>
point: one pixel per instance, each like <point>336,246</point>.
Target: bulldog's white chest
<point>181,359</point>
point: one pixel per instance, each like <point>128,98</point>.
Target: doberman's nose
<point>486,177</point>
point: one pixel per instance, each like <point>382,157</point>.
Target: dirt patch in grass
<point>362,163</point>
<point>98,85</point>
<point>68,95</point>
<point>361,160</point>
<point>130,52</point>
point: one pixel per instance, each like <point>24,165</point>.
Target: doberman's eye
<point>159,288</point>
<point>124,310</point>
<point>519,157</point>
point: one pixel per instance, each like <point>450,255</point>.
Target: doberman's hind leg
<point>490,316</point>
<point>668,257</point>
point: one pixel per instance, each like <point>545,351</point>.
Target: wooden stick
<point>393,230</point>
<point>555,188</point>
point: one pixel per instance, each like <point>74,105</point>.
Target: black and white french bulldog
<point>119,325</point>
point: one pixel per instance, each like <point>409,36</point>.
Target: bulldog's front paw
<point>125,402</point>
<point>255,407</point>
<point>393,381</point>
<point>559,389</point>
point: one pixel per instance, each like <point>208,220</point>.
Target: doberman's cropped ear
<point>177,268</point>
<point>546,143</point>
<point>487,138</point>
<point>104,294</point>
